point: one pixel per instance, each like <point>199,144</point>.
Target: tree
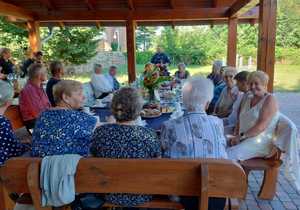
<point>144,37</point>
<point>72,45</point>
<point>13,37</point>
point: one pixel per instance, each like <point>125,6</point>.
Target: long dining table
<point>154,123</point>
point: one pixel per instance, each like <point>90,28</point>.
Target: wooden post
<point>130,37</point>
<point>266,39</point>
<point>34,36</point>
<point>232,41</point>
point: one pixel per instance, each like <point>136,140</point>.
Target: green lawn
<point>287,77</point>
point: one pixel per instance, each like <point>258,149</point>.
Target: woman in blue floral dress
<point>124,139</point>
<point>10,146</point>
<point>64,129</point>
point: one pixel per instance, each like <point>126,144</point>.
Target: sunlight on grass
<point>287,77</point>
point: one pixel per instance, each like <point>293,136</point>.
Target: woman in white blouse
<point>258,116</point>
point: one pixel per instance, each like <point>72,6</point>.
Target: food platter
<point>150,113</point>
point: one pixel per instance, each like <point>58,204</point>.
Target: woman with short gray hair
<point>182,73</point>
<point>228,95</point>
<point>215,76</point>
<point>195,134</point>
<point>10,146</point>
<point>124,139</point>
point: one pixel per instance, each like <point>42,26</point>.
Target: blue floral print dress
<point>125,141</point>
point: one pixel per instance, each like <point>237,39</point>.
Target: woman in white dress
<point>258,116</point>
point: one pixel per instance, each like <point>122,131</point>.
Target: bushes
<point>288,55</point>
<point>143,57</point>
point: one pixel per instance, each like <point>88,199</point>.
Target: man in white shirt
<point>101,86</point>
<point>111,77</point>
<point>242,84</point>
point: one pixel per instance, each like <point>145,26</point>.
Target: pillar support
<point>131,49</point>
<point>267,38</point>
<point>232,41</point>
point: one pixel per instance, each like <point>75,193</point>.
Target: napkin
<point>140,122</point>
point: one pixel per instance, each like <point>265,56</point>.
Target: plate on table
<point>150,113</point>
<point>167,109</point>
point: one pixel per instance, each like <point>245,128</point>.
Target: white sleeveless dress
<point>260,145</point>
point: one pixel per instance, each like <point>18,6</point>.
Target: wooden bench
<point>202,178</point>
<point>13,114</point>
<point>270,167</point>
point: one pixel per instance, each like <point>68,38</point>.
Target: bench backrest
<point>203,178</point>
<point>14,115</point>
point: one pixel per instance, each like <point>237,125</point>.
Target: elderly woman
<point>228,95</point>
<point>124,139</point>
<point>258,116</point>
<point>148,68</point>
<point>63,129</point>
<point>10,146</point>
<point>215,74</point>
<point>182,73</point>
<point>195,134</point>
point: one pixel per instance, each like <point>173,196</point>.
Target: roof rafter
<point>240,7</point>
<point>7,9</point>
<point>91,4</point>
<point>49,4</point>
<point>130,4</point>
<point>142,14</point>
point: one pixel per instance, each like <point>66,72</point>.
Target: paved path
<point>286,196</point>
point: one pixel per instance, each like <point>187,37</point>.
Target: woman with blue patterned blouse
<point>64,129</point>
<point>124,139</point>
<point>9,144</point>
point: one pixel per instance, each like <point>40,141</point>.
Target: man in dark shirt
<point>160,57</point>
<point>57,72</point>
<point>6,66</point>
<point>37,58</point>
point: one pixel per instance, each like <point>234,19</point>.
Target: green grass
<point>287,77</point>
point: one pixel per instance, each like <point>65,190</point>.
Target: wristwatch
<point>242,136</point>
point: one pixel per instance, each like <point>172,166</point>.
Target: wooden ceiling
<point>145,12</point>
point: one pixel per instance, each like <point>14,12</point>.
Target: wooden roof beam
<point>98,25</point>
<point>240,7</point>
<point>7,9</point>
<point>49,4</point>
<point>91,4</point>
<point>130,4</point>
<point>139,15</point>
<point>61,25</point>
<point>172,4</point>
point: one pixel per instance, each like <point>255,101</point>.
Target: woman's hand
<point>234,141</point>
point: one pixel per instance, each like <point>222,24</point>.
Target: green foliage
<point>144,37</point>
<point>194,45</point>
<point>143,57</point>
<point>72,45</point>
<point>13,37</point>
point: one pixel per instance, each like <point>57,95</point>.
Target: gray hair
<point>217,65</point>
<point>4,50</point>
<point>96,66</point>
<point>197,92</point>
<point>6,92</point>
<point>34,70</point>
<point>66,87</point>
<point>229,70</point>
<point>127,104</point>
<point>262,76</point>
<point>181,65</point>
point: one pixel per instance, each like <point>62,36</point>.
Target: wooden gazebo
<point>35,13</point>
